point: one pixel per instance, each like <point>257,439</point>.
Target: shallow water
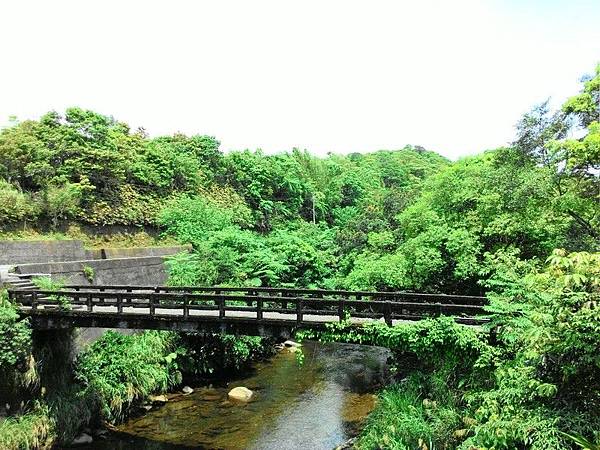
<point>316,405</point>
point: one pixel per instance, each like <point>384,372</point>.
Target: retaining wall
<point>134,252</point>
<point>18,252</point>
<point>149,270</point>
<point>66,260</point>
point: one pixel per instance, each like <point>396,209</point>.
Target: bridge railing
<point>200,305</point>
<point>295,292</point>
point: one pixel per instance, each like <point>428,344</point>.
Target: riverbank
<point>52,398</point>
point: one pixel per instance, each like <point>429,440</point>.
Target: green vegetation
<point>119,370</point>
<point>521,384</point>
<point>389,220</point>
<point>15,337</point>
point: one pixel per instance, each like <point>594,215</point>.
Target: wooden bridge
<point>249,310</point>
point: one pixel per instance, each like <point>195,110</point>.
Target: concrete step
<point>29,276</point>
<point>19,284</point>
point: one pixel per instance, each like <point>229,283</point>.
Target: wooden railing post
<point>387,313</point>
<point>186,309</point>
<point>34,300</point>
<point>119,304</point>
<point>299,310</point>
<point>341,309</point>
<point>152,298</point>
<point>250,293</point>
<point>259,309</point>
<point>284,303</point>
<point>221,307</point>
<point>88,302</point>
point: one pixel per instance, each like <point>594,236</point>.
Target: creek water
<point>314,405</point>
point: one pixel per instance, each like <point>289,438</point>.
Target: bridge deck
<point>258,311</point>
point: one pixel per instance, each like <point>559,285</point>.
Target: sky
<point>329,76</point>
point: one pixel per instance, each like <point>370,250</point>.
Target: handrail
<point>315,292</point>
<point>183,303</point>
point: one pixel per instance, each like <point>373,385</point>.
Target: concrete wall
<point>26,252</point>
<point>149,270</point>
<point>133,252</point>
<point>18,252</point>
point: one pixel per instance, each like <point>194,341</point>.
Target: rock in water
<point>158,398</point>
<point>292,344</point>
<point>241,393</point>
<point>82,439</point>
<point>187,390</point>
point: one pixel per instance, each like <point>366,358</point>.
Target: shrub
<point>15,206</point>
<point>120,369</point>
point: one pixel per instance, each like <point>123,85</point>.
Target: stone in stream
<point>292,344</point>
<point>158,398</point>
<point>240,393</point>
<point>187,390</point>
<point>82,439</point>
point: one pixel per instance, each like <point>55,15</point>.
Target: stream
<point>315,405</point>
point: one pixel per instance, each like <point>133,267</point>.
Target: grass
<point>412,415</point>
<point>35,429</point>
<point>118,370</point>
<point>57,420</point>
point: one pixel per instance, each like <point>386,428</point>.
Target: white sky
<point>341,76</point>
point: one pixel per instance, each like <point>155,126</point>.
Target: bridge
<point>259,311</point>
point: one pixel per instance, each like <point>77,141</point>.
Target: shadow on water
<point>317,405</point>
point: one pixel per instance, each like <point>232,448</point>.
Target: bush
<point>120,369</point>
<point>15,206</point>
<point>15,337</point>
<point>407,418</point>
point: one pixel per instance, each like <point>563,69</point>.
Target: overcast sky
<point>341,76</point>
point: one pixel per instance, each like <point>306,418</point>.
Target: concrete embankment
<point>70,262</point>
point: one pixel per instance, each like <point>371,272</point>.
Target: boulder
<point>82,439</point>
<point>292,344</point>
<point>240,393</point>
<point>187,390</point>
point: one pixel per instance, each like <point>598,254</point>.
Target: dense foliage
<point>388,220</point>
<point>405,219</point>
<point>526,383</point>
